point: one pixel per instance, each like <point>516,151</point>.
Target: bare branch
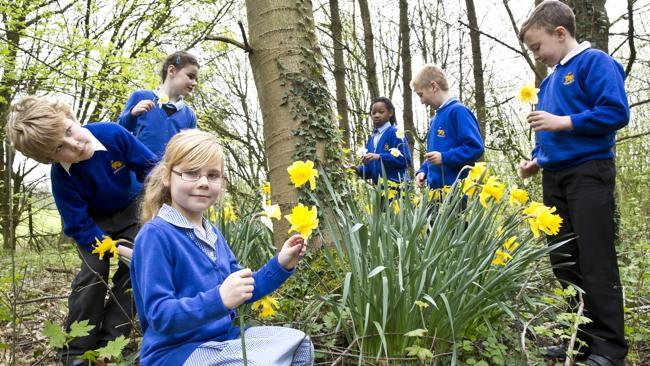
<point>630,37</point>
<point>226,40</point>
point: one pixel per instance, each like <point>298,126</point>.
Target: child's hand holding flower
<point>544,121</point>
<point>292,252</point>
<point>142,107</point>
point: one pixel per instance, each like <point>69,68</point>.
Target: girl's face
<point>380,114</point>
<point>182,81</point>
<point>193,191</point>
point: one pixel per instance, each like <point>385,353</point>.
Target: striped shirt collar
<point>172,216</point>
<point>179,104</point>
<point>96,144</point>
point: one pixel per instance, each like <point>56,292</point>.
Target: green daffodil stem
<point>242,331</point>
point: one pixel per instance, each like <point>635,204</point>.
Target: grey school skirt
<point>264,346</point>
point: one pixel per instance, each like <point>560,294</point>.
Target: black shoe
<point>559,352</point>
<point>599,360</point>
<point>72,360</point>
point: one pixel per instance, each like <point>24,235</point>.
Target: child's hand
<point>544,121</point>
<point>292,252</point>
<point>237,288</point>
<point>434,157</point>
<point>528,168</point>
<point>369,157</point>
<point>420,178</point>
<point>124,251</point>
<point>141,107</point>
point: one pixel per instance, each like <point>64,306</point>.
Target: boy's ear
<point>561,32</point>
<point>171,70</point>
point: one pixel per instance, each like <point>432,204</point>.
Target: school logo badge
<point>441,132</point>
<point>568,78</point>
<point>386,147</point>
<point>117,166</point>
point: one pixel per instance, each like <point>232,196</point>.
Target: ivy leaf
<point>422,354</point>
<point>54,334</point>
<point>416,333</point>
<point>80,329</point>
<point>113,349</point>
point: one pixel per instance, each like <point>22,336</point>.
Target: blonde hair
<point>549,15</point>
<point>35,126</point>
<point>429,73</point>
<point>192,148</point>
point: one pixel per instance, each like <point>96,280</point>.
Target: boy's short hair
<point>36,125</point>
<point>549,15</point>
<point>429,73</point>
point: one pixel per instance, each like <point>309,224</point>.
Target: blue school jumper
<point>155,128</point>
<point>396,167</point>
<point>176,275</point>
<point>455,133</point>
<point>590,88</point>
<point>101,185</point>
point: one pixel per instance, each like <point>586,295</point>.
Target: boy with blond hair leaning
<point>582,104</point>
<point>96,198</point>
<point>454,138</point>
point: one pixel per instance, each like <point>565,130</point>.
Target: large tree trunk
<point>407,114</point>
<point>339,73</point>
<point>477,61</point>
<point>368,41</point>
<point>592,23</point>
<point>298,121</point>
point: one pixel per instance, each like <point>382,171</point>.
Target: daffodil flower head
<point>501,258</point>
<point>492,188</point>
<point>542,218</point>
<point>518,197</point>
<point>163,99</point>
<point>266,189</point>
<point>528,94</point>
<point>301,172</point>
<point>229,213</point>
<point>477,175</point>
<point>511,244</point>
<point>107,245</point>
<point>303,220</point>
<point>273,212</point>
<point>395,152</point>
<point>266,306</point>
<point>396,208</point>
<point>399,134</point>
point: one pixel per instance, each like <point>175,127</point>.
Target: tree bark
<point>292,94</point>
<point>477,61</point>
<point>407,114</point>
<point>339,73</point>
<point>592,23</point>
<point>368,40</point>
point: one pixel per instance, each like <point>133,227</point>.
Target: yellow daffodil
<point>345,151</point>
<point>266,305</point>
<point>212,214</point>
<point>501,258</point>
<point>542,218</point>
<point>511,244</point>
<point>107,245</point>
<point>396,207</point>
<point>518,197</point>
<point>477,175</point>
<point>302,172</point>
<point>435,195</point>
<point>399,134</point>
<point>528,94</point>
<point>266,189</point>
<point>273,211</point>
<point>229,213</point>
<point>415,199</point>
<point>303,220</point>
<point>395,152</point>
<point>491,189</point>
<point>163,99</point>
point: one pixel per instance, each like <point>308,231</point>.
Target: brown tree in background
<point>339,72</point>
<point>368,41</point>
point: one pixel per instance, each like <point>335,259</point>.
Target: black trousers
<point>88,300</point>
<point>584,197</point>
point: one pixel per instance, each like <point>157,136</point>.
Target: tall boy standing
<point>582,104</point>
<point>454,137</point>
<point>92,187</point>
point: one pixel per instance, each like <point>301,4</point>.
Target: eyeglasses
<point>195,175</point>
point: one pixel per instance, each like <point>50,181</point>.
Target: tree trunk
<point>298,121</point>
<point>592,23</point>
<point>477,61</point>
<point>407,115</point>
<point>339,73</point>
<point>368,41</point>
